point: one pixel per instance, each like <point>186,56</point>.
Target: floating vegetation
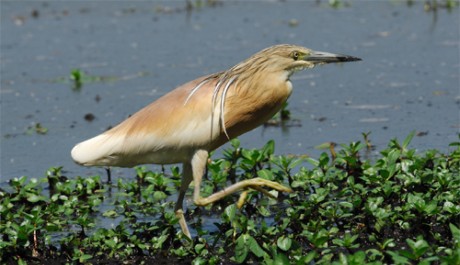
<point>78,78</point>
<point>36,128</point>
<point>428,5</point>
<point>404,208</point>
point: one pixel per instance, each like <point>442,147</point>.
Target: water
<point>408,79</point>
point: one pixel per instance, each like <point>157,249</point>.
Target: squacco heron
<point>187,123</point>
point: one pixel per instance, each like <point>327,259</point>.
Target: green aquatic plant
<point>401,208</point>
<point>77,76</point>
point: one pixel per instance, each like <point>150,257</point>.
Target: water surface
<point>137,51</point>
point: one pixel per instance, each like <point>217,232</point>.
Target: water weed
<point>403,207</point>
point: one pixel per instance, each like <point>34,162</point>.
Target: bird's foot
<point>255,183</point>
<point>183,223</point>
<point>258,182</point>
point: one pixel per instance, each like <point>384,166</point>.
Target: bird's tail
<point>96,151</point>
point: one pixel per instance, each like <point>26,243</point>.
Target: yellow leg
<point>186,179</point>
<point>183,223</point>
<point>198,167</point>
<point>242,199</point>
<point>244,194</point>
<point>195,171</point>
<point>248,183</point>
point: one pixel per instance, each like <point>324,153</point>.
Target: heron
<point>186,124</point>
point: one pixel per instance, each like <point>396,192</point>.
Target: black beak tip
<point>347,58</point>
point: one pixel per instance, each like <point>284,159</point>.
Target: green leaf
<point>110,213</point>
<point>346,204</point>
<point>408,139</point>
<point>418,247</point>
<point>312,161</point>
<point>281,259</point>
<point>255,248</point>
<point>455,234</point>
<point>323,146</point>
<point>230,212</point>
<point>307,259</point>
<point>199,261</point>
<point>357,258</point>
<point>159,195</point>
<point>265,174</point>
<point>264,211</point>
<point>84,258</point>
<point>241,248</point>
<point>284,243</point>
<point>244,243</point>
<point>269,148</point>
<point>235,143</point>
<point>35,198</point>
<point>397,258</point>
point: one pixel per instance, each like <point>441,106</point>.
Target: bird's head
<point>282,59</point>
<point>293,58</point>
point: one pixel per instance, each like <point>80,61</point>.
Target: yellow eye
<point>295,56</point>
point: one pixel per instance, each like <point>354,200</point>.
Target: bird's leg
<point>198,166</point>
<point>244,194</point>
<point>259,189</point>
<point>187,177</point>
<point>242,199</point>
<point>109,175</point>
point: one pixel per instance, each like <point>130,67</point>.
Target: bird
<point>186,124</point>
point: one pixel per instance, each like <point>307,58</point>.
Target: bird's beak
<point>327,57</point>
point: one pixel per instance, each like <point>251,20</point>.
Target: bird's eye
<point>295,56</point>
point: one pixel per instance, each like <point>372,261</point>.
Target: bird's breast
<point>248,109</point>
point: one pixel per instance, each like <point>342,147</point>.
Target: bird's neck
<point>251,104</point>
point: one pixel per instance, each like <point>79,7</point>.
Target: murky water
<point>137,51</point>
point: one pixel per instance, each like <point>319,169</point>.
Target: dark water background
<point>135,52</point>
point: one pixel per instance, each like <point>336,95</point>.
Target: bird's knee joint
<point>200,202</point>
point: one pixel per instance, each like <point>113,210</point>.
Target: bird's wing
<point>165,131</point>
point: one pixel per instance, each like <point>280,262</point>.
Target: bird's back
<point>166,131</point>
